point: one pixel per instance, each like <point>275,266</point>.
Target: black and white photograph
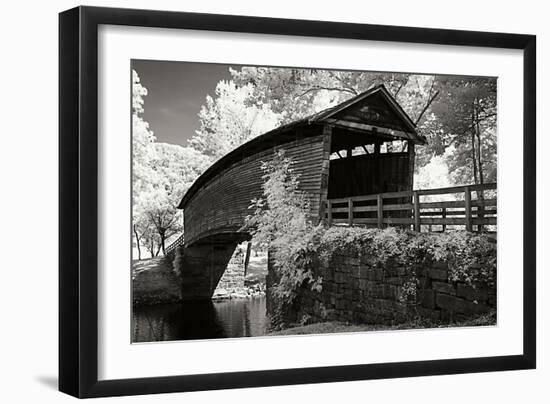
<point>276,201</point>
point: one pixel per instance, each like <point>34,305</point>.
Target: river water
<point>200,320</point>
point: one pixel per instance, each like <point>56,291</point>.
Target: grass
<point>342,327</point>
<point>148,264</point>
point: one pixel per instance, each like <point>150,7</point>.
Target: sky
<point>176,92</point>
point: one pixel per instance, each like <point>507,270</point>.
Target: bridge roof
<point>373,110</point>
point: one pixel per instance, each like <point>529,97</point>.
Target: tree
<point>297,93</point>
<point>435,174</point>
<point>161,174</point>
<point>143,152</point>
<point>456,114</point>
<point>146,235</point>
<point>230,119</point>
<point>174,169</point>
<point>142,137</point>
<point>464,121</point>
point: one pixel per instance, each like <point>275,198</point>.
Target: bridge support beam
<point>203,268</point>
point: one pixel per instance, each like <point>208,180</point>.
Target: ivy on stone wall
<point>471,257</point>
<point>279,221</point>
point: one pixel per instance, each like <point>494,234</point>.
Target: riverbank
<point>154,282</point>
<point>488,319</point>
<point>248,292</point>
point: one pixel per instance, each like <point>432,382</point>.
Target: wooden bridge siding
<point>223,202</point>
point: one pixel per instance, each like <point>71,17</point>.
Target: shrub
<point>280,222</point>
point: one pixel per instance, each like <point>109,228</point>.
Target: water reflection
<point>200,320</point>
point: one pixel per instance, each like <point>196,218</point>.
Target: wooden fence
<point>177,242</point>
<point>465,206</point>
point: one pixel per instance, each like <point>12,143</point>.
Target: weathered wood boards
<point>222,204</point>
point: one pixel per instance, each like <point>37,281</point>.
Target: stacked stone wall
<point>232,280</point>
<point>355,290</point>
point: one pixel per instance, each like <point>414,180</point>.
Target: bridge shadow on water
<point>203,319</point>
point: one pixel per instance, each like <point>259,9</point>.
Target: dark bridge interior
<point>365,164</point>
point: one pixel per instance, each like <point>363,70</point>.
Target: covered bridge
<point>362,146</point>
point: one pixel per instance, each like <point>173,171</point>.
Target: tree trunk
<point>479,155</point>
<point>137,242</point>
<point>428,103</point>
<point>162,242</point>
<point>479,159</point>
<point>480,193</point>
<point>473,140</point>
<point>474,158</point>
<point>158,250</point>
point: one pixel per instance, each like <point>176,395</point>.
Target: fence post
<point>329,212</point>
<point>350,212</point>
<point>380,211</point>
<point>480,208</point>
<point>444,215</point>
<point>416,202</point>
<point>468,208</point>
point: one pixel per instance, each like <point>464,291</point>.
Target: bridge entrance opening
<point>367,163</point>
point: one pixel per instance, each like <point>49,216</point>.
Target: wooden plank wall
<point>222,204</point>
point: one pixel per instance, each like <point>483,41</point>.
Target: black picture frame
<point>78,201</point>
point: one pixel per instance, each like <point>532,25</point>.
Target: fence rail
<point>406,208</point>
<point>179,241</point>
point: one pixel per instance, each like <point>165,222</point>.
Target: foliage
<point>464,122</point>
<point>297,93</point>
<point>161,175</point>
<point>142,139</point>
<point>143,153</point>
<point>258,99</point>
<point>471,257</point>
<point>230,119</point>
<point>408,290</point>
<point>456,114</point>
<point>171,172</point>
<point>435,174</point>
<point>280,221</point>
<point>447,110</point>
